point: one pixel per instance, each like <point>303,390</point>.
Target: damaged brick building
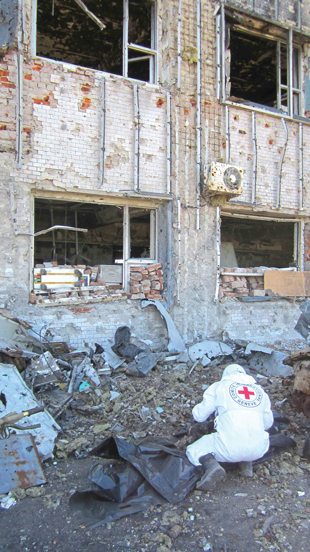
<point>159,150</point>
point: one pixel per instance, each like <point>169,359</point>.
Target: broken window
<point>108,240</point>
<point>118,36</point>
<point>258,68</point>
<point>249,243</point>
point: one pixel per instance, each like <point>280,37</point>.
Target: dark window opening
<point>102,244</point>
<point>249,243</point>
<point>253,73</point>
<point>66,33</point>
<point>140,227</point>
<point>259,71</point>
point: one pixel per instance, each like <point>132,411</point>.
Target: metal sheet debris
<point>209,349</point>
<point>270,364</point>
<point>176,343</point>
<point>143,363</point>
<point>20,464</point>
<point>18,398</point>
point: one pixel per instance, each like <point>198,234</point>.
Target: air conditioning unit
<point>222,179</point>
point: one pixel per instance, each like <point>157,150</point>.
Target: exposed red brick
<point>2,127</point>
<point>85,103</point>
<point>86,88</point>
<point>160,102</point>
<point>8,84</point>
<point>28,77</point>
<point>80,310</point>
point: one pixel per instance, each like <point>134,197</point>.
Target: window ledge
<point>258,108</point>
<point>153,87</point>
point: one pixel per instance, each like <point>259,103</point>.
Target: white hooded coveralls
<point>243,413</point>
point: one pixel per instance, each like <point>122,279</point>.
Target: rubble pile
<point>130,392</point>
<point>146,281</point>
<point>239,285</point>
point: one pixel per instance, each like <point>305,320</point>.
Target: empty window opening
<point>102,244</point>
<point>140,227</point>
<point>249,243</point>
<point>259,71</point>
<point>126,46</point>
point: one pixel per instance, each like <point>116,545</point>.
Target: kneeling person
<point>243,414</point>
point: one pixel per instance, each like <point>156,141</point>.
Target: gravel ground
<point>269,512</point>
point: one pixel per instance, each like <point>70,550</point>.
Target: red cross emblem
<point>247,394</point>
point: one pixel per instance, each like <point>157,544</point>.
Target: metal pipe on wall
<point>179,45</point>
<point>19,60</point>
<point>218,56</point>
<point>301,248</point>
<point>218,253</point>
<point>290,73</point>
<point>223,69</point>
<point>254,174</point>
<point>299,14</point>
<point>137,137</point>
<point>179,251</point>
<point>103,121</point>
<point>169,143</point>
<point>301,167</point>
<point>198,116</point>
<point>281,165</point>
<point>227,124</point>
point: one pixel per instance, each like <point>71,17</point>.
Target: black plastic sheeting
<point>155,472</point>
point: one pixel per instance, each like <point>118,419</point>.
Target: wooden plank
<point>287,283</point>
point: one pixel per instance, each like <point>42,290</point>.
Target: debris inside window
<point>125,46</point>
<point>253,243</point>
<point>92,257</point>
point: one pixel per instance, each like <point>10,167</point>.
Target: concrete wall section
<point>86,324</point>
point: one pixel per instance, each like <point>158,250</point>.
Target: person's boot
<point>213,473</point>
<point>246,469</point>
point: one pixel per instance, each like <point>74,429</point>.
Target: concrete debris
<point>176,343</point>
<point>16,396</point>
<point>7,502</point>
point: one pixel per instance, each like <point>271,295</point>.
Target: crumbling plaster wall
<point>195,251</point>
<point>62,137</point>
<point>81,325</point>
<point>63,142</point>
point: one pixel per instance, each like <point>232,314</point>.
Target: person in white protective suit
<point>243,414</point>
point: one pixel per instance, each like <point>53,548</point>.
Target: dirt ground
<point>269,512</point>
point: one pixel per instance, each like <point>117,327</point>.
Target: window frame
<point>298,252</point>
<point>146,53</point>
<point>223,61</point>
<point>126,261</point>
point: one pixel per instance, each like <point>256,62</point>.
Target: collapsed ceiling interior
<point>258,242</point>
<point>102,244</point>
<point>66,33</point>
